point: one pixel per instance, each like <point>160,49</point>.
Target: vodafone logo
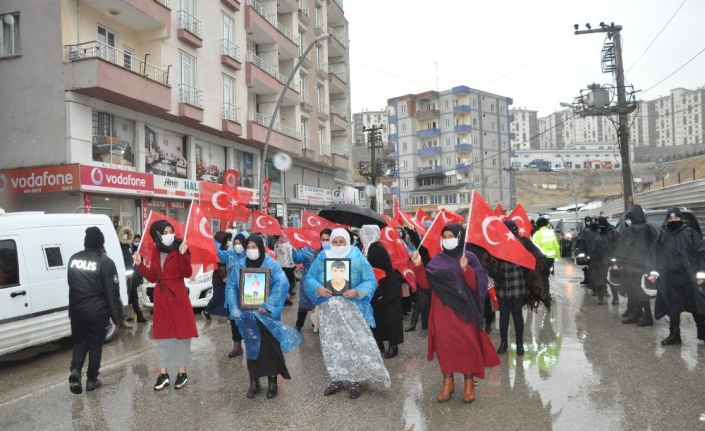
<point>3,182</point>
<point>97,176</point>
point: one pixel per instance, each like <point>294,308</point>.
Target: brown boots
<point>469,390</point>
<point>448,388</point>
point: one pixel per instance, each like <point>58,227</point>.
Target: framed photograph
<point>336,275</point>
<point>254,287</point>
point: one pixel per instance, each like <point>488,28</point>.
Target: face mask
<point>252,254</point>
<point>325,245</point>
<point>627,222</point>
<point>450,243</point>
<point>168,239</point>
<point>239,248</point>
<point>135,244</point>
<point>124,236</point>
<point>675,225</point>
<point>339,248</point>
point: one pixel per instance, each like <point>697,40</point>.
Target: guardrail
<point>231,112</point>
<point>189,22</point>
<point>263,120</point>
<point>272,19</point>
<point>191,95</point>
<point>272,70</point>
<point>228,47</point>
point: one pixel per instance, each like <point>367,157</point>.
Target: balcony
<point>322,69</point>
<point>462,109</point>
<point>428,133</point>
<point>306,103</point>
<point>429,114</point>
<point>308,153</point>
<point>189,29</point>
<point>341,162</point>
<point>463,148</point>
<point>463,167</point>
<point>109,74</point>
<point>429,171</point>
<point>338,79</point>
<point>461,89</point>
<point>462,128</point>
<point>231,122</point>
<point>304,14</point>
<point>429,151</point>
<point>337,43</point>
<point>335,11</point>
<point>323,110</point>
<point>392,137</point>
<point>233,5</point>
<point>283,137</point>
<point>320,26</point>
<point>230,55</point>
<point>263,27</point>
<point>339,119</point>
<point>266,79</point>
<point>137,15</point>
<point>391,119</point>
<point>190,102</point>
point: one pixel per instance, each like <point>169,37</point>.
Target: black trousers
<point>511,307</point>
<point>235,331</point>
<point>133,297</point>
<point>301,318</point>
<point>422,306</point>
<point>88,333</point>
<point>291,276</point>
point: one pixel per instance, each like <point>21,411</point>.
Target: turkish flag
<point>220,202</point>
<point>301,238</point>
<point>499,210</point>
<point>390,221</point>
<point>199,238</point>
<point>147,248</point>
<point>404,219</point>
<point>519,216</point>
<point>266,224</point>
<point>398,253</point>
<point>486,230</point>
<point>432,239</point>
<point>231,179</point>
<point>310,220</point>
<point>422,216</point>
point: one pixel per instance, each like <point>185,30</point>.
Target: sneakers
<point>181,381</point>
<point>93,384</point>
<point>206,315</point>
<point>75,382</point>
<point>162,382</point>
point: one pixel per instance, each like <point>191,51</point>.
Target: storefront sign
<point>87,203</point>
<point>110,180</point>
<point>144,202</point>
<point>346,195</point>
<point>177,188</point>
<point>164,204</point>
<point>42,179</point>
<point>266,189</point>
<point>313,193</point>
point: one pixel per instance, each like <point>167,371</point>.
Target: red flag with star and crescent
<point>399,254</point>
<point>521,218</point>
<point>220,202</point>
<point>486,230</point>
<point>266,224</point>
<point>301,238</point>
<point>432,239</point>
<point>499,211</point>
<point>147,248</point>
<point>312,221</point>
<point>404,219</point>
<point>422,216</point>
<point>199,238</point>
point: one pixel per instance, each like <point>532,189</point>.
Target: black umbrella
<point>351,215</point>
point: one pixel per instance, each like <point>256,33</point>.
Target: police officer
<point>94,298</point>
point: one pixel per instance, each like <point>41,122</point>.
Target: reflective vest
<point>545,239</point>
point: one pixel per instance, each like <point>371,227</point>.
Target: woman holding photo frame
<point>343,284</point>
<point>255,295</point>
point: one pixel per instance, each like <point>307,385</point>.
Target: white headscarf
<point>368,234</point>
<point>332,253</point>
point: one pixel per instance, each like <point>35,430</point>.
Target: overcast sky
<point>522,49</point>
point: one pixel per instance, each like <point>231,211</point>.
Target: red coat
<point>173,314</point>
<point>461,347</point>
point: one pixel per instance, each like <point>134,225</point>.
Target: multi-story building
<point>448,143</point>
<point>142,99</point>
<point>523,128</point>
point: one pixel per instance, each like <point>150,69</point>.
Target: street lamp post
<point>263,155</point>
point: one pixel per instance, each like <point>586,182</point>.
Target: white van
<point>34,294</point>
<point>200,290</point>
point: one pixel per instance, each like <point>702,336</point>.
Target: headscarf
<point>378,257</point>
<point>157,230</point>
<point>368,234</point>
<point>94,239</point>
<point>458,232</point>
<point>332,254</point>
<point>242,237</point>
<point>259,242</point>
<point>541,222</point>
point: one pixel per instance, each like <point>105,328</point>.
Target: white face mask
<point>449,243</point>
<point>628,222</point>
<point>252,254</point>
<point>339,248</point>
<point>325,245</point>
<point>239,248</point>
<point>168,239</point>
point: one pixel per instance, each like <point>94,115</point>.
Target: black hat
<point>541,222</point>
<point>675,211</point>
<point>94,238</point>
<point>602,222</point>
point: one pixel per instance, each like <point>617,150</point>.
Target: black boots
<point>333,388</point>
<point>502,349</point>
<point>632,316</point>
<point>520,348</point>
<point>272,387</point>
<point>75,382</point>
<point>615,295</point>
<point>354,391</point>
<point>392,352</point>
<point>646,319</point>
<point>254,388</point>
<point>93,384</point>
<point>674,336</point>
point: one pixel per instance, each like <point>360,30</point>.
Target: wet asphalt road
<point>583,370</point>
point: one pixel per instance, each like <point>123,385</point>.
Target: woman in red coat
<point>458,285</point>
<point>174,324</point>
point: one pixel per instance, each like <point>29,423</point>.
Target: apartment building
<point>140,100</point>
<point>523,128</point>
<point>448,143</point>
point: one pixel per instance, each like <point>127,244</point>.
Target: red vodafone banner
<point>266,189</point>
<point>99,179</point>
<point>40,179</point>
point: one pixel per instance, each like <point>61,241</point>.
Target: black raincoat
<point>633,251</point>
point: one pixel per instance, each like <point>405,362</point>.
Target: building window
<point>403,109</point>
<point>188,69</point>
<point>230,111</point>
<point>127,56</point>
<point>450,198</point>
<point>406,184</point>
<point>9,263</point>
<point>9,34</point>
<point>107,41</point>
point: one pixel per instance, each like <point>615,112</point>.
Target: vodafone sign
<point>42,179</point>
<point>99,179</point>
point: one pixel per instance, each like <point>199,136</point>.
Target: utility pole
<point>612,62</point>
<point>373,169</point>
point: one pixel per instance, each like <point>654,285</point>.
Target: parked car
<point>34,292</point>
<point>200,290</point>
<point>567,231</point>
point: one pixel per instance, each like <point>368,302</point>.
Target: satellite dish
<point>282,161</point>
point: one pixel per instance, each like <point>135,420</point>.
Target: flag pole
<point>147,226</point>
<point>188,219</point>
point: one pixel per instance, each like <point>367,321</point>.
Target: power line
<point>675,71</point>
<point>657,35</point>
